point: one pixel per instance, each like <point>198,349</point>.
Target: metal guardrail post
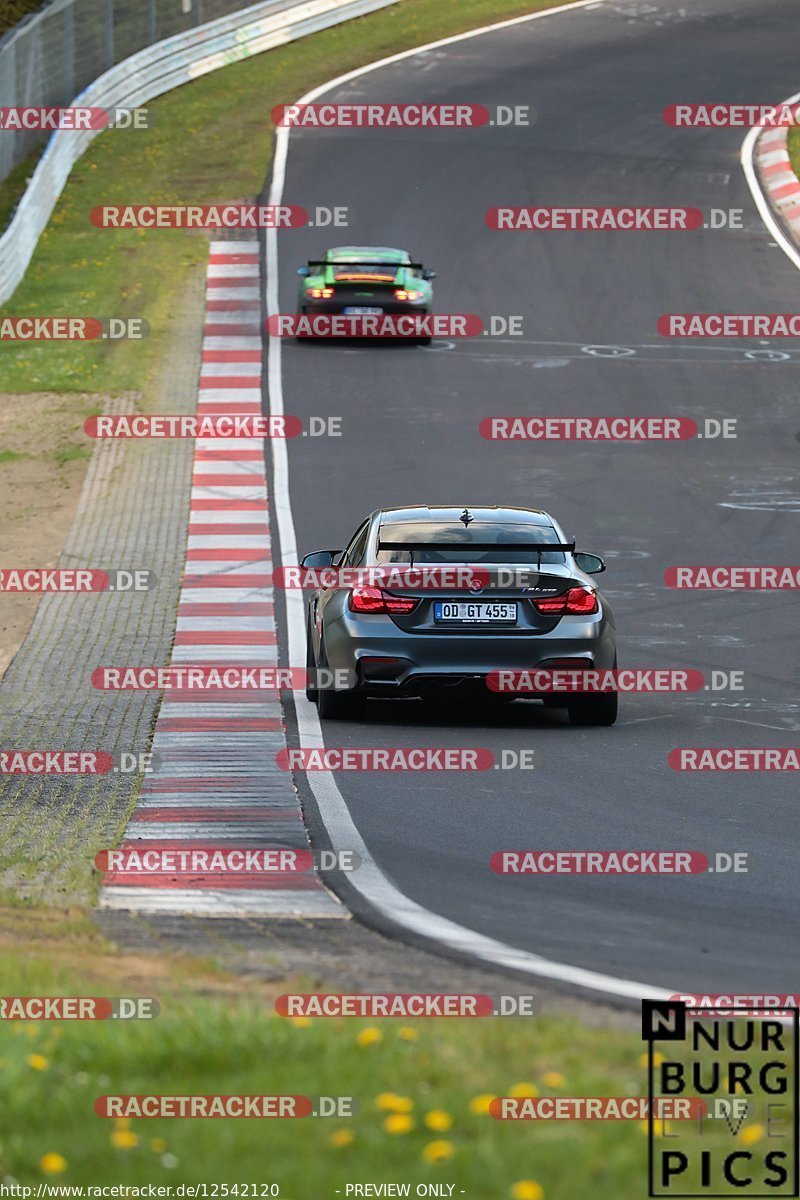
<point>69,48</point>
<point>109,22</point>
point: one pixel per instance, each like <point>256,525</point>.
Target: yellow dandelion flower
<point>398,1123</point>
<point>660,1127</point>
<point>479,1105</point>
<point>122,1122</point>
<point>369,1036</point>
<point>52,1163</point>
<point>526,1189</point>
<point>300,1022</point>
<point>123,1139</point>
<point>158,1145</point>
<point>38,1062</point>
<point>752,1134</point>
<point>522,1091</point>
<point>438,1151</point>
<point>658,1059</point>
<point>438,1120</point>
<point>407,1034</point>
<point>342,1137</point>
<point>553,1079</point>
<point>391,1102</point>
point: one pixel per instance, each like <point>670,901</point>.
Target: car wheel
<point>311,692</point>
<point>339,706</point>
<point>594,710</point>
<point>424,341</point>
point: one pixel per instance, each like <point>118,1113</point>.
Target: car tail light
<point>321,293</point>
<point>577,602</point>
<point>375,600</point>
<point>407,294</point>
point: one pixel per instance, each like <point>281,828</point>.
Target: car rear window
<point>457,543</point>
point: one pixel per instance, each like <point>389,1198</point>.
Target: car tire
<point>311,692</point>
<point>424,341</point>
<point>342,705</point>
<point>594,710</point>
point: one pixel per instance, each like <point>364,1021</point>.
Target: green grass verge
<point>422,1089</point>
<point>210,140</point>
<point>794,148</point>
<point>14,10</point>
<point>51,1073</point>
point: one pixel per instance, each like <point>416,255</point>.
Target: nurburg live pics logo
<point>743,1064</point>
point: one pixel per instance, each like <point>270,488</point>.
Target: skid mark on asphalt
<point>217,783</point>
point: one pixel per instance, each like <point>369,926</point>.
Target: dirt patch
<point>43,459</point>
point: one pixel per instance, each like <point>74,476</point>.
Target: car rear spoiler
<point>318,262</point>
<point>539,547</point>
<point>568,547</point>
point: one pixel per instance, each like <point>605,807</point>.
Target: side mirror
<point>320,559</point>
<point>428,274</point>
<point>304,271</point>
<point>592,564</point>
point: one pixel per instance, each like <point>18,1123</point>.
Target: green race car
<point>361,281</point>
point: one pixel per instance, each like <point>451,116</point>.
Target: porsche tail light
<point>577,602</point>
<point>376,600</point>
<point>323,293</point>
<point>407,294</point>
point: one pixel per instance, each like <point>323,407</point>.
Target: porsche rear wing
<point>403,266</point>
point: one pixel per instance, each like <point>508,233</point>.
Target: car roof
<point>492,514</point>
<point>367,254</point>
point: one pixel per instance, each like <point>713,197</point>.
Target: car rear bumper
<point>414,663</point>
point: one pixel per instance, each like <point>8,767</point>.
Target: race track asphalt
<point>598,79</point>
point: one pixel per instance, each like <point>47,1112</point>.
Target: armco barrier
<point>149,73</point>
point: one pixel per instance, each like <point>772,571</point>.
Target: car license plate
<point>476,612</point>
<point>360,311</point>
